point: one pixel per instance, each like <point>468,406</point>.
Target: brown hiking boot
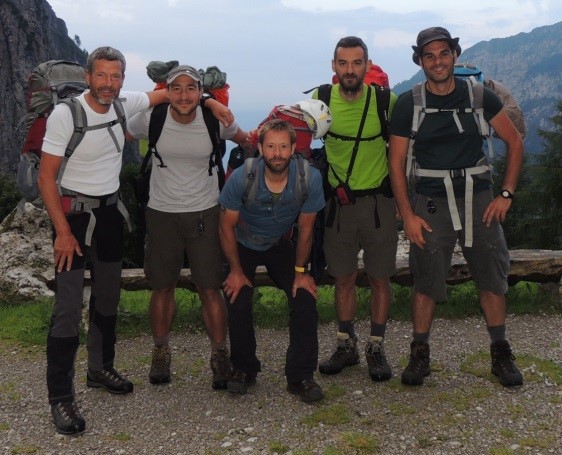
<point>418,367</point>
<point>160,368</point>
<point>379,369</point>
<point>503,365</point>
<point>345,355</point>
<point>221,368</point>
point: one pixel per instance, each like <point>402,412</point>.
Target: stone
<point>26,255</point>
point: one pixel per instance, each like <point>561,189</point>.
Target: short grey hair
<point>105,53</point>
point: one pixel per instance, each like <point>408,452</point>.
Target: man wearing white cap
<point>182,219</point>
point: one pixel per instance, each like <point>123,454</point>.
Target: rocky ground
<point>460,409</point>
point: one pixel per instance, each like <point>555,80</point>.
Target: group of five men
<point>189,214</point>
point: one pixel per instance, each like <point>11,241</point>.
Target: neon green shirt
<point>371,162</point>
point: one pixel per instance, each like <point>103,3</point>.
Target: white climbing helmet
<point>317,116</point>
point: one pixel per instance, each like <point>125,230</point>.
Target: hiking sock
<point>378,330</point>
<point>497,333</point>
<point>347,327</point>
<point>161,341</point>
<point>218,346</point>
<point>421,337</point>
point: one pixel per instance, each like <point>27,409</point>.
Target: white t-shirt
<point>184,185</point>
<point>94,167</point>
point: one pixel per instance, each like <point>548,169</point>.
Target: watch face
<point>506,194</point>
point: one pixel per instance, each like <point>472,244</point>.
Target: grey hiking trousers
<point>105,258</point>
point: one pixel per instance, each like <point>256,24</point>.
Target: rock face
<point>26,255</point>
<point>30,33</point>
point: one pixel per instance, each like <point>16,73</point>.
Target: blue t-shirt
<point>265,221</point>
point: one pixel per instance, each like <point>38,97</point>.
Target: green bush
<point>9,195</point>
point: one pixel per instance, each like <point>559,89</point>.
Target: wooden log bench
<point>540,266</point>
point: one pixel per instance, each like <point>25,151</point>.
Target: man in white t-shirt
<point>87,219</point>
<point>182,219</point>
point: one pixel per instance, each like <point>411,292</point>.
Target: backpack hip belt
<point>447,176</point>
<point>80,203</point>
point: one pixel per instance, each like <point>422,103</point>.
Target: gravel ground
<point>454,412</point>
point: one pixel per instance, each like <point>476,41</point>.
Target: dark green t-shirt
<point>439,144</point>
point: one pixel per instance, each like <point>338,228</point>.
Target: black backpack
<point>141,182</point>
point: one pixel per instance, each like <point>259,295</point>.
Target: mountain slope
<point>530,65</point>
<point>30,33</point>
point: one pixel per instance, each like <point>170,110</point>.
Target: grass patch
<point>334,391</point>
<point>4,426</point>
<point>9,392</point>
<point>534,369</point>
<point>330,415</point>
<point>359,443</point>
<point>27,324</point>
<point>277,447</point>
<point>122,437</point>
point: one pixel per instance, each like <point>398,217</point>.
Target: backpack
<point>476,96</point>
<point>251,176</point>
<point>141,183</point>
<point>466,70</point>
<point>284,112</point>
<point>51,83</point>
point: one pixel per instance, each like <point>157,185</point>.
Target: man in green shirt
<point>360,210</point>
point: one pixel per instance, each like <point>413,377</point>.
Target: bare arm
<point>236,279</point>
<point>413,224</point>
<point>504,128</point>
<point>304,245</point>
<point>65,244</point>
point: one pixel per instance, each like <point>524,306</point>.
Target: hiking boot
<point>379,370</point>
<point>345,355</point>
<point>110,380</point>
<point>240,381</point>
<point>418,367</point>
<point>221,368</point>
<point>67,418</point>
<point>160,368</point>
<point>308,390</point>
<point>503,366</point>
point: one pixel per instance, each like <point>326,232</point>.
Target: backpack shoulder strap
<point>156,123</point>
<point>325,93</point>
<point>80,122</point>
<point>383,107</point>
<point>155,127</point>
<point>303,169</point>
<point>476,96</point>
<point>219,145</point>
<point>120,111</point>
<point>251,175</point>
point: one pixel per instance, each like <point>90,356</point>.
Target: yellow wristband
<point>299,269</point>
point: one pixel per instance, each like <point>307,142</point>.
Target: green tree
<point>9,195</point>
<point>547,184</point>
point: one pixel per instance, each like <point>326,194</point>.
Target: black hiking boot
<point>160,368</point>
<point>67,418</point>
<point>308,390</point>
<point>110,380</point>
<point>418,367</point>
<point>379,369</point>
<point>503,365</point>
<point>345,355</point>
<point>240,381</point>
<point>221,368</point>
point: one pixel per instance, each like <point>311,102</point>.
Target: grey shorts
<point>487,259</point>
<point>170,236</point>
<point>354,230</point>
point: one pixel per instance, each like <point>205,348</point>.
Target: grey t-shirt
<point>184,185</point>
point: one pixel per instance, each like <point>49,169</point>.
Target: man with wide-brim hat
<point>438,125</point>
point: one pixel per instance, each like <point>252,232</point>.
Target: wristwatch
<point>506,194</point>
<point>206,96</point>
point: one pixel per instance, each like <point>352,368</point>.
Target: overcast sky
<point>273,50</point>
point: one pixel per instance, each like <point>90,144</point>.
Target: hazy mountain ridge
<point>530,65</point>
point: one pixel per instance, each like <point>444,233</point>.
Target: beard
<point>351,83</point>
<point>105,99</point>
<point>277,165</point>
